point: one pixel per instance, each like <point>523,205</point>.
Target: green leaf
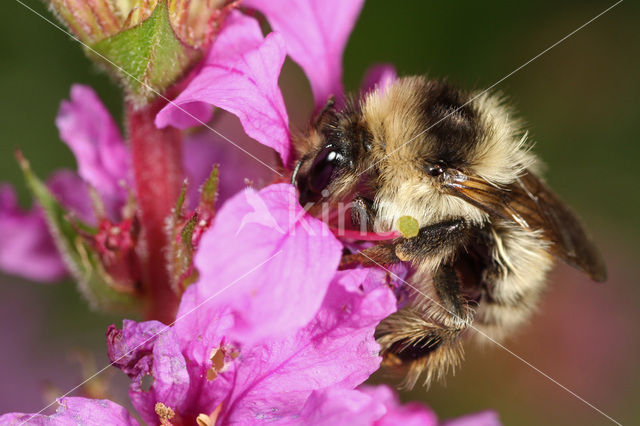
<point>96,285</point>
<point>149,57</point>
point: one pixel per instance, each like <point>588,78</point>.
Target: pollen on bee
<point>408,226</point>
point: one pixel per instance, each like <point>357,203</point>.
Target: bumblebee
<point>460,165</point>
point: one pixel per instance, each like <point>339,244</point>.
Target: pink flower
<point>103,159</point>
<point>271,331</point>
<point>74,410</point>
<point>322,338</point>
<point>207,366</point>
<point>86,127</point>
<point>27,247</point>
<point>26,242</point>
<point>379,406</point>
<point>239,74</point>
<point>267,228</point>
<point>241,71</point>
<point>316,33</point>
<point>204,365</point>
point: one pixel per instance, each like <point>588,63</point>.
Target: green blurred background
<point>582,103</point>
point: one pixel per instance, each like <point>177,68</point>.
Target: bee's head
<point>336,150</point>
<point>401,149</point>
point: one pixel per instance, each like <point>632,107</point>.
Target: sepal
<point>76,242</point>
<point>185,230</point>
<point>147,58</point>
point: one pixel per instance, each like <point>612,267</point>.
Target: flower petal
<point>341,406</point>
<point>378,77</point>
<point>240,75</point>
<point>150,349</point>
<point>272,381</point>
<point>88,129</point>
<point>72,193</point>
<point>200,328</point>
<point>125,347</point>
<point>483,418</point>
<point>26,246</point>
<point>203,149</point>
<point>316,33</point>
<point>73,411</point>
<point>408,414</point>
<point>255,237</point>
<point>201,332</point>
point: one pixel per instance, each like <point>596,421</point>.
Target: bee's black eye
<point>323,168</point>
<point>435,169</point>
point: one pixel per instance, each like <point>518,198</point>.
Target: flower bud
<point>94,20</point>
<point>196,22</point>
<point>147,44</point>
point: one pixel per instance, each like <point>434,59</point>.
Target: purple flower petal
<point>255,237</point>
<point>261,382</point>
<point>342,406</point>
<point>189,114</point>
<point>170,364</point>
<point>26,246</point>
<point>368,405</point>
<point>87,128</point>
<point>336,349</point>
<point>239,75</point>
<point>201,331</point>
<point>170,377</point>
<point>378,77</point>
<point>72,193</point>
<point>378,406</point>
<point>128,346</point>
<point>150,349</point>
<point>483,418</point>
<point>74,411</point>
<point>316,33</point>
<point>203,149</point>
<point>408,414</point>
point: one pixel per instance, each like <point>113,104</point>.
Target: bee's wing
<point>532,205</point>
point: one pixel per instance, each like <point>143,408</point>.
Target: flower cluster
<point>276,336</point>
<point>263,325</point>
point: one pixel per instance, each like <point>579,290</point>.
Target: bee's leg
<point>378,255</point>
<point>440,240</point>
<point>415,347</point>
<point>448,289</point>
<point>424,336</point>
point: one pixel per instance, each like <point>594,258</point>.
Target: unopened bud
<point>148,44</point>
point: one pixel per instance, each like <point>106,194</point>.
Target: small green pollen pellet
<point>408,226</point>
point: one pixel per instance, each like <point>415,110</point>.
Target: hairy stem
<point>157,167</point>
